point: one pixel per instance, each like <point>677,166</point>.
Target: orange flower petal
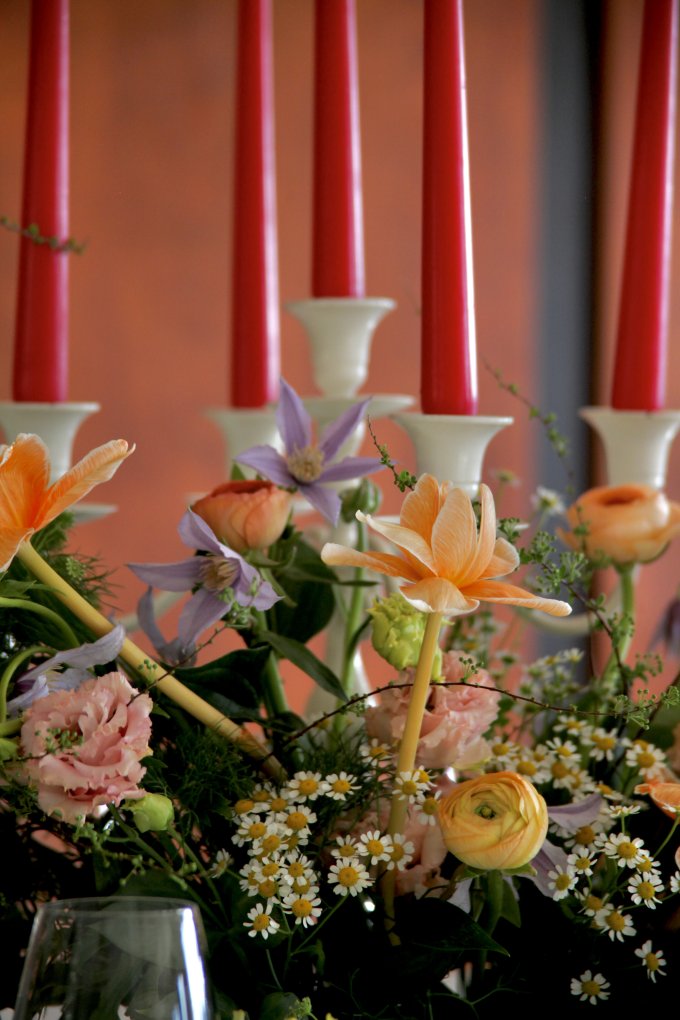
<point>24,477</point>
<point>486,541</point>
<point>437,595</point>
<point>499,591</point>
<point>454,535</point>
<point>414,546</point>
<point>505,559</point>
<point>420,507</point>
<point>384,563</point>
<point>98,466</point>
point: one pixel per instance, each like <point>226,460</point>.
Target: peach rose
<point>84,746</point>
<point>497,821</point>
<point>245,515</point>
<point>455,718</point>
<point>627,523</point>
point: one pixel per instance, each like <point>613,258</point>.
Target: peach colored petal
<point>411,542</point>
<point>24,476</point>
<point>505,559</point>
<point>384,563</point>
<point>420,507</point>
<point>98,466</point>
<point>486,540</point>
<point>10,540</point>
<point>454,535</point>
<point>437,595</point>
<point>499,591</point>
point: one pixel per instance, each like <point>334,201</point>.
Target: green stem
<point>44,611</point>
<point>353,618</point>
<point>272,685</point>
<point>408,746</point>
<point>618,653</point>
<point>145,667</point>
<point>9,672</point>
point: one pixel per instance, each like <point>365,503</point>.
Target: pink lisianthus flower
<point>454,722</point>
<point>84,747</point>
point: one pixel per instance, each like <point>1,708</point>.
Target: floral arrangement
<point>455,842</point>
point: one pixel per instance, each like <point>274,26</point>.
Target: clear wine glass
<point>117,958</point>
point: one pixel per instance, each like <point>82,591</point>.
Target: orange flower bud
<point>627,523</point>
<point>245,515</point>
<point>494,822</point>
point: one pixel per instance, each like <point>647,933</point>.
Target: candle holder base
<point>452,447</point>
<point>637,443</point>
<point>340,331</point>
<point>243,427</point>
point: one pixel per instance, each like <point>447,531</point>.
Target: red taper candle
<point>641,346</point>
<point>41,333</point>
<point>448,348</point>
<point>338,231</point>
<point>255,354</point>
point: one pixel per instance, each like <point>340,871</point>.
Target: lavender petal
<point>546,860</point>
<point>251,590</point>
<point>180,576</point>
<point>95,653</point>
<point>196,534</point>
<point>350,467</point>
<point>326,501</point>
<point>201,611</point>
<point>293,420</point>
<point>578,813</point>
<point>268,463</point>
<point>335,434</point>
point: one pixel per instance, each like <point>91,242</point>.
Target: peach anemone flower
<point>448,565</point>
<point>28,502</point>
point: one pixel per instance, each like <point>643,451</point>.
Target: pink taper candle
<point>448,350</point>
<point>338,233</point>
<point>41,334</point>
<point>640,365</point>
<point>255,297</point>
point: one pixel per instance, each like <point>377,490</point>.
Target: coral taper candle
<point>41,332</point>
<point>338,232</point>
<point>640,365</point>
<point>448,348</point>
<point>255,296</point>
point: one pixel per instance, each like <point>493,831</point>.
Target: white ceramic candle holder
<point>340,331</point>
<point>636,443</point>
<point>243,427</point>
<point>452,447</point>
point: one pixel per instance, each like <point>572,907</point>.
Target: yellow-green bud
<point>8,749</point>
<point>398,631</point>
<point>365,497</point>
<point>152,813</point>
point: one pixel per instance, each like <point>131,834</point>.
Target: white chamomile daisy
<point>651,960</point>
<point>646,758</point>
<point>222,862</point>
<point>340,785</point>
<point>261,922</point>
<point>376,846</point>
<point>602,743</point>
<point>348,877</point>
<point>305,907</point>
<point>624,810</point>
<point>643,890</point>
<point>298,818</point>
<point>413,786</point>
<point>401,852</point>
<point>377,752</point>
<point>561,882</point>
<point>614,923</point>
<point>427,810</point>
<point>625,850</point>
<point>581,863</point>
<point>346,847</point>
<point>589,987</point>
<point>308,785</point>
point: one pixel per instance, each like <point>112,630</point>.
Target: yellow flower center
<point>526,768</point>
<point>604,743</point>
<point>627,850</point>
<point>242,807</point>
<point>271,843</point>
<point>397,851</point>
<point>257,830</point>
<point>260,796</point>
<point>645,760</point>
<point>616,921</point>
<point>582,863</point>
<point>645,864</point>
<point>348,876</point>
<point>341,786</point>
<point>270,869</point>
<point>305,464</point>
<point>297,820</point>
<point>217,574</point>
<point>301,908</point>
<point>375,847</point>
<point>429,806</point>
<point>562,882</point>
<point>261,921</point>
<point>585,835</point>
<point>646,890</point>
<point>591,988</point>
<point>278,804</point>
<point>485,811</point>
<point>409,788</point>
<point>308,786</point>
<point>559,770</point>
<point>267,888</point>
<point>593,902</point>
<point>652,961</point>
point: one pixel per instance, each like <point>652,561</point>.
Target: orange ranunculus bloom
<point>28,502</point>
<point>494,822</point>
<point>447,564</point>
<point>666,795</point>
<point>245,515</point>
<point>626,523</point>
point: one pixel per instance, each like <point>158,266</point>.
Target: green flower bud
<point>398,631</point>
<point>365,497</point>
<point>152,813</point>
<point>8,749</point>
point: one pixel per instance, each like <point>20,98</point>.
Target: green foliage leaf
<point>304,659</point>
<point>307,582</point>
<point>231,683</point>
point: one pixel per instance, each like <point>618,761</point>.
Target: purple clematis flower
<point>305,465</point>
<point>48,676</point>
<point>218,579</point>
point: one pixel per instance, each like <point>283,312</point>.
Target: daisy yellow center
<point>301,908</point>
<point>217,574</point>
<point>271,843</point>
<point>616,921</point>
<point>257,830</point>
<point>604,743</point>
<point>585,835</point>
<point>645,760</point>
<point>260,796</point>
<point>423,776</point>
<point>341,786</point>
<point>627,850</point>
<point>242,807</point>
<point>563,751</point>
<point>559,770</point>
<point>296,820</point>
<point>397,852</point>
<point>500,748</point>
<point>562,882</point>
<point>646,890</point>
<point>375,847</point>
<point>261,922</point>
<point>270,869</point>
<point>429,806</point>
<point>593,902</point>
<point>267,888</point>
<point>652,961</point>
<point>591,988</point>
<point>302,884</point>
<point>346,850</point>
<point>645,864</point>
<point>378,752</point>
<point>278,804</point>
<point>296,869</point>
<point>348,876</point>
<point>306,463</point>
<point>409,788</point>
<point>526,768</point>
<point>308,786</point>
<point>582,863</point>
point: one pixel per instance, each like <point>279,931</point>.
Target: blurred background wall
<point>551,87</point>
